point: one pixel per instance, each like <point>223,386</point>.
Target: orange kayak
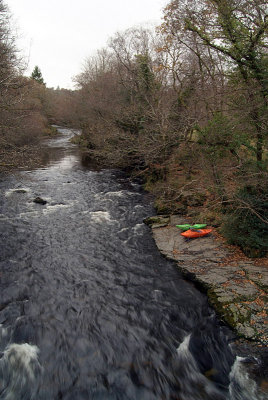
<point>195,233</point>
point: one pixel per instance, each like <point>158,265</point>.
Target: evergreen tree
<point>37,75</point>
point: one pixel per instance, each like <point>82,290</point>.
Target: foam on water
<point>193,382</point>
<point>47,209</point>
<point>17,190</point>
<point>138,228</point>
<point>56,207</point>
<point>242,387</point>
<point>20,372</point>
<point>100,216</point>
<point>120,193</point>
<point>27,214</point>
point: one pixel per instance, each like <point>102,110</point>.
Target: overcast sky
<point>57,35</point>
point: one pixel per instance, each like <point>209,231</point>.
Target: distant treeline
<point>27,107</point>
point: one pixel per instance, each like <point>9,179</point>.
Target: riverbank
<point>28,156</point>
<point>236,286</point>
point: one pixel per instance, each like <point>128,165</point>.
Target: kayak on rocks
<point>195,233</point>
<point>185,227</point>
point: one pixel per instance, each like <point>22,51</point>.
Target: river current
<point>89,309</point>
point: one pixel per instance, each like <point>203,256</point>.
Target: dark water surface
<point>89,309</point>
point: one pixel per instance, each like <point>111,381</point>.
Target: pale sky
<point>58,35</point>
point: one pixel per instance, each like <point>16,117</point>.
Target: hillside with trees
<point>186,109</point>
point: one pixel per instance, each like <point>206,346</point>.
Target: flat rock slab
<point>258,275</point>
<point>237,291</point>
<point>173,245</point>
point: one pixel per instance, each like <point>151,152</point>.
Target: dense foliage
<point>247,222</point>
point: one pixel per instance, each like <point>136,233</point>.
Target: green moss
<point>231,311</point>
<point>161,220</point>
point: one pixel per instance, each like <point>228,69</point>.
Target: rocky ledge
<point>237,289</point>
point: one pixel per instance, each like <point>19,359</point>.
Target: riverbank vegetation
<point>22,121</point>
<point>25,103</point>
<point>184,107</point>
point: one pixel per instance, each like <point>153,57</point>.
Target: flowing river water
<point>89,309</point>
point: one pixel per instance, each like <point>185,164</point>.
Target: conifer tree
<point>37,75</point>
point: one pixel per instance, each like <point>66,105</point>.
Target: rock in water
<point>21,191</point>
<point>39,200</point>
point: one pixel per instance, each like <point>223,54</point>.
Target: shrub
<point>246,223</point>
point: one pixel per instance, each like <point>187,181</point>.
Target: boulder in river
<point>39,200</point>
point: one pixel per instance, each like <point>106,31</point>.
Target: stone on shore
<point>158,221</point>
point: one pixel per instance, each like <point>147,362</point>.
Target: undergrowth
<point>246,223</point>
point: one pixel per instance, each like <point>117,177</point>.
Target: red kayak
<point>195,233</point>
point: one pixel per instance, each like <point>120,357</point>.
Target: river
<point>89,309</point>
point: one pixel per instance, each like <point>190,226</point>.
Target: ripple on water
<point>89,308</point>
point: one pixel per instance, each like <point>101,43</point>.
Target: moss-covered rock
<point>237,315</point>
<point>246,331</point>
<point>157,221</point>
